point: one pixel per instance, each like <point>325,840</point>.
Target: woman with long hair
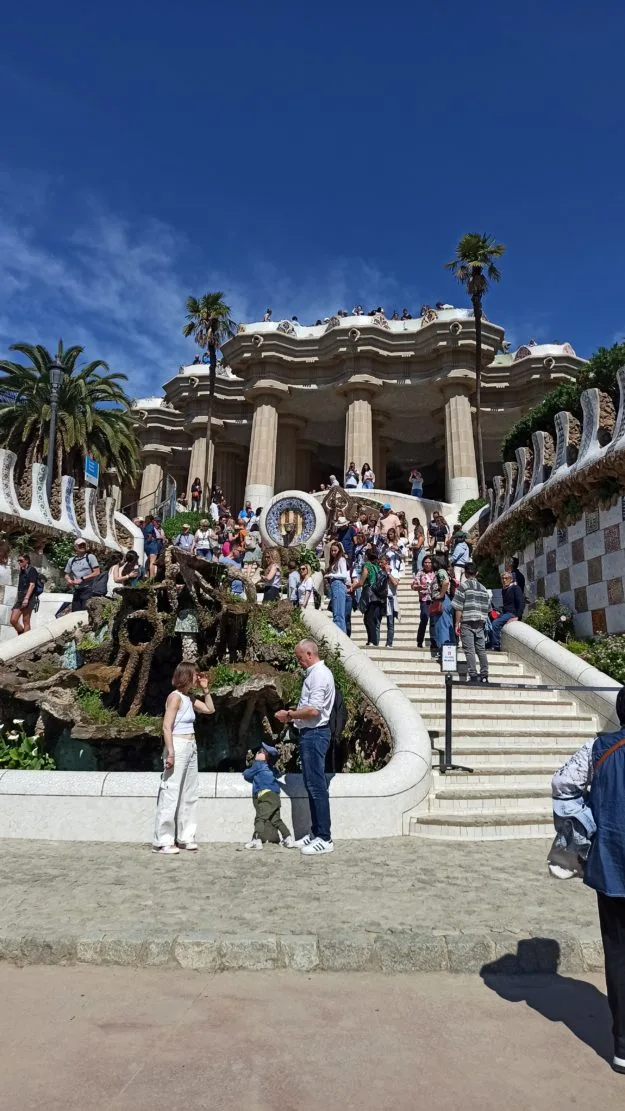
<point>367,477</point>
<point>441,610</point>
<point>422,582</point>
<point>336,579</point>
<point>373,586</point>
<point>124,573</point>
<point>196,495</point>
<point>175,824</point>
<point>305,588</point>
<point>271,578</point>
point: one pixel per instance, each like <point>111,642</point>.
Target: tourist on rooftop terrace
<point>267,315</point>
<point>357,310</point>
<point>367,477</point>
<point>352,478</point>
<point>395,315</point>
<point>405,315</point>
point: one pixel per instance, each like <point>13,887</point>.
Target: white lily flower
<point>12,736</point>
<point>18,721</point>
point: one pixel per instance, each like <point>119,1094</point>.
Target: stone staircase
<point>513,740</point>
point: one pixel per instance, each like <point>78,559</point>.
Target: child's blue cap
<point>270,750</point>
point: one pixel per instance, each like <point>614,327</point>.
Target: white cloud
<point>119,289</point>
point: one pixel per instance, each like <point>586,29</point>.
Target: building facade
<point>295,403</point>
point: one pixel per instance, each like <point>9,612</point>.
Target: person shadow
<point>531,976</point>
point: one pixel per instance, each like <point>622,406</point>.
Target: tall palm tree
<point>93,413</point>
<point>474,267</point>
<point>210,323</point>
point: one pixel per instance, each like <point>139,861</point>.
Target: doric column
<point>461,466</point>
<point>151,483</point>
<point>379,450</point>
<point>303,464</point>
<point>289,432</point>
<point>261,468</point>
<point>358,421</point>
<point>197,457</point>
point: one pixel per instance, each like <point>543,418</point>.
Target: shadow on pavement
<point>531,976</point>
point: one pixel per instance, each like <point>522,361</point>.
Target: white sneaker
<point>560,873</point>
<point>166,850</point>
<point>288,842</point>
<point>190,846</point>
<point>318,846</point>
<point>618,1064</point>
<point>255,843</point>
<point>303,841</point>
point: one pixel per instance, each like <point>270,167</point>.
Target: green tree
<point>210,323</point>
<point>93,413</point>
<point>474,267</point>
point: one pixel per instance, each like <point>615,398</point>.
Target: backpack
<point>379,590</point>
<point>337,723</point>
<point>40,585</point>
<point>317,599</point>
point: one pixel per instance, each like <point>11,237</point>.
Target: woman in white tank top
<point>176,808</point>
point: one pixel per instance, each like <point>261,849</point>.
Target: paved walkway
<point>112,1039</point>
<point>402,903</point>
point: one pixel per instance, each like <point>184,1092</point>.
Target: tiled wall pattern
<point>584,565</point>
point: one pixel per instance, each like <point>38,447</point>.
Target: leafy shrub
<point>19,750</point>
<point>174,524</point>
<point>59,551</point>
<point>600,371</point>
<point>488,572</point>
<point>551,618</point>
<point>225,676</point>
<point>608,655</point>
<point>469,508</point>
<point>307,555</point>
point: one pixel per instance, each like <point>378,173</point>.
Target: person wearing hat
<point>184,540</point>
<point>460,554</point>
<point>204,540</point>
<point>345,533</point>
<point>388,520</point>
<point>268,825</point>
<point>80,570</point>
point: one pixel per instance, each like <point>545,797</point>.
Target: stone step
<point>496,776</point>
<point>399,653</point>
<point>482,798</point>
<point>478,724</point>
<point>549,755</point>
<point>483,825</point>
<point>431,703</point>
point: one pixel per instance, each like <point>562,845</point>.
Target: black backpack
<point>337,723</point>
<point>379,590</point>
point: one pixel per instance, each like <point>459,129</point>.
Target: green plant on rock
<point>90,702</point>
<point>609,488</point>
<point>550,617</point>
<point>225,676</point>
<point>469,508</point>
<point>307,555</point>
<point>572,508</point>
<point>173,526</point>
<point>60,551</point>
<point>21,751</point>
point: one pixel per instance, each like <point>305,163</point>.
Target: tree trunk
<point>477,312</point>
<point>208,471</point>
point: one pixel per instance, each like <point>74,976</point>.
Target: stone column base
<point>259,494</point>
<point>462,489</point>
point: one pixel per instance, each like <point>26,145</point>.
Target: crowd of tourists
<point>358,310</point>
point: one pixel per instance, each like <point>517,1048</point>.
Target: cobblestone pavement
<point>390,884</point>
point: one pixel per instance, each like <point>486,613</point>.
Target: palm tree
<point>93,413</point>
<point>474,267</point>
<point>210,323</point>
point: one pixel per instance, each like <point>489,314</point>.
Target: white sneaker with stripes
<point>317,846</point>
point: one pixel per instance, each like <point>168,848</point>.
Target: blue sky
<point>305,158</point>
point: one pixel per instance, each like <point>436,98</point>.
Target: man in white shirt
<point>312,720</point>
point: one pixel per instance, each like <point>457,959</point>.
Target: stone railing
<point>551,486</point>
<point>80,513</point>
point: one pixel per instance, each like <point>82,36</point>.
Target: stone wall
<point>561,509</point>
<point>584,565</point>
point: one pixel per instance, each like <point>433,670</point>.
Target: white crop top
<point>185,716</point>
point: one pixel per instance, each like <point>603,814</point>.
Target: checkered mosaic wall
<point>584,565</point>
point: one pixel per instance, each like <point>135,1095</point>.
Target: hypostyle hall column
<point>379,452</point>
<point>197,458</point>
<point>358,423</point>
<point>261,468</point>
<point>289,432</point>
<point>151,482</point>
<point>226,472</point>
<point>460,462</point>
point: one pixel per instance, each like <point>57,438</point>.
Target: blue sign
<point>92,471</point>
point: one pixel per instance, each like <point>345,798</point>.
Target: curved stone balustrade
<point>40,513</point>
<point>554,485</point>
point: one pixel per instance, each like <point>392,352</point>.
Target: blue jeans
<point>313,748</point>
<point>498,625</point>
<point>337,603</point>
<point>390,628</point>
<point>349,605</point>
<point>367,485</point>
<point>417,491</point>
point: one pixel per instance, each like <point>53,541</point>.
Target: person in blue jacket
<point>268,825</point>
<point>595,774</point>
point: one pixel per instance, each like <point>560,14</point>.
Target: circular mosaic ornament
<point>291,519</point>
